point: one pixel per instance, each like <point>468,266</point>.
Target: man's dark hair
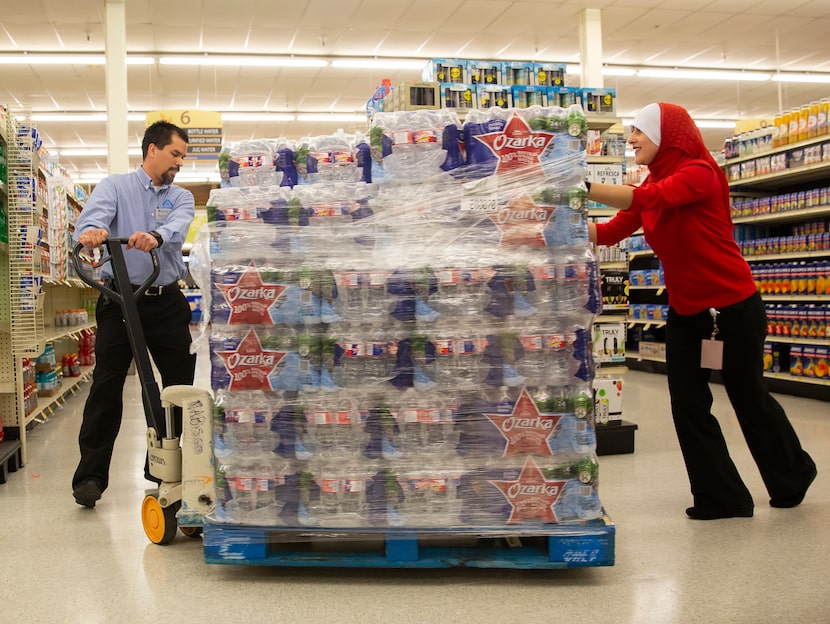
<point>160,134</point>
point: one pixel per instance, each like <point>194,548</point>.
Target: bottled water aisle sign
<point>414,352</point>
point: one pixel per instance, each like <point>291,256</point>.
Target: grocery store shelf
<point>788,256</point>
<point>805,173</point>
<point>610,266</point>
<point>610,371</point>
<point>796,379</point>
<point>645,323</point>
<point>640,357</point>
<point>640,253</point>
<point>777,150</point>
<point>819,342</point>
<point>7,387</point>
<point>69,385</point>
<point>795,297</point>
<point>787,215</point>
<point>57,333</point>
<point>658,287</point>
<point>605,160</point>
<point>602,122</point>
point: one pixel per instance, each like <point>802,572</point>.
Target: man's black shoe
<point>87,493</point>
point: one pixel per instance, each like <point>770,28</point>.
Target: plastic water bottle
<point>533,364</point>
<point>377,301</point>
<point>376,356</point>
<point>350,299</point>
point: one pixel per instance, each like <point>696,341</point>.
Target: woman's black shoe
<point>698,513</point>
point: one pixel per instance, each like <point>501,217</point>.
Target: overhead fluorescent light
<point>379,63</point>
<point>73,117</point>
<point>715,123</point>
<point>618,71</point>
<point>68,59</point>
<point>94,151</point>
<point>333,117</point>
<point>52,59</point>
<point>257,117</point>
<point>704,74</point>
<point>607,70</point>
<point>243,60</point>
<point>814,78</point>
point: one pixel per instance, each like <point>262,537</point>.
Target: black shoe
<point>794,500</point>
<point>87,493</point>
<point>699,513</point>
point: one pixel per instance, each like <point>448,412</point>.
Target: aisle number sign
<point>203,127</point>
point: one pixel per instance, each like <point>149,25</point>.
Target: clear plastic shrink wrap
<point>413,352</point>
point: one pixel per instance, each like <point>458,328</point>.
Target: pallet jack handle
<point>127,298</point>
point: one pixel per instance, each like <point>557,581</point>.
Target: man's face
<point>162,165</point>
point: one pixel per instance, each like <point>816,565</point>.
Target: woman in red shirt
<point>683,209</point>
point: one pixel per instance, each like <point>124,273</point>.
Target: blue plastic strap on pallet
<point>401,547</point>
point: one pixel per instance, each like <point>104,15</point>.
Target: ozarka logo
<point>517,147</point>
<point>525,429</point>
<point>531,496</point>
<point>522,222</point>
<point>250,298</point>
<point>249,365</point>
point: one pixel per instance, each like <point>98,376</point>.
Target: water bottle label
<point>246,484</point>
<point>468,346</point>
<point>377,278</point>
<point>425,136</point>
<point>266,484</point>
<point>353,349</point>
<point>410,415</point>
<point>444,347</point>
<point>321,418</point>
<point>533,343</point>
<point>343,417</point>
<point>446,276</point>
<point>556,342</point>
<point>341,157</point>
<point>377,349</point>
<point>354,486</point>
<point>347,280</point>
<point>429,415</point>
<point>438,485</point>
<point>330,486</point>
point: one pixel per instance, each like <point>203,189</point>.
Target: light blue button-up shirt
<point>125,203</point>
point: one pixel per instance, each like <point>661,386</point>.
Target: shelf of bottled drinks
<point>399,326</point>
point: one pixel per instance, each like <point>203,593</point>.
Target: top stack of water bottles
<point>399,324</point>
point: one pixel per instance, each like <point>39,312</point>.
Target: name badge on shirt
<point>163,211</point>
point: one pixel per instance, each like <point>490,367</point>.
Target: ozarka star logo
<point>517,147</point>
<point>525,428</point>
<point>531,496</point>
<point>250,298</point>
<point>249,365</point>
<point>522,222</point>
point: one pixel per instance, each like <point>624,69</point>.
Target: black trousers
<point>715,482</point>
<point>165,319</point>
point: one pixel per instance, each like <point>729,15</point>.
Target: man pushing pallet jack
<point>183,467</point>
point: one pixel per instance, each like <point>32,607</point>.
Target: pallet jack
<point>183,467</point>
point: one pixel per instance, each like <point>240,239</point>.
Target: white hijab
<point>647,121</point>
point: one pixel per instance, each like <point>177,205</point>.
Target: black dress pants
<point>165,320</point>
<point>715,483</point>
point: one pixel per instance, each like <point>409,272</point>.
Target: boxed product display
<point>352,390</point>
<point>609,342</point>
<point>608,399</point>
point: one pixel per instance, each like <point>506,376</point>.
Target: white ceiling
<point>786,35</point>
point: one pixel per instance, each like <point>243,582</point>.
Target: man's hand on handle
<point>143,241</point>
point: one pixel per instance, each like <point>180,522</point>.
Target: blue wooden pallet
<point>571,546</point>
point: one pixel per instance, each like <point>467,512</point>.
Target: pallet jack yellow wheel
<point>159,522</point>
<point>191,531</point>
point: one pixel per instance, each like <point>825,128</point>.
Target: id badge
<point>711,354</point>
<point>162,214</point>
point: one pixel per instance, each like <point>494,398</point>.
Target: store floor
<point>63,563</point>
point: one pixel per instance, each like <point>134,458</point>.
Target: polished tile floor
<point>62,563</point>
